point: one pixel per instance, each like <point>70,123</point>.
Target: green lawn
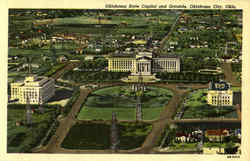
<point>15,74</point>
<point>101,103</point>
<point>87,136</point>
<point>183,146</point>
<point>193,146</point>
<point>90,113</point>
<point>132,135</point>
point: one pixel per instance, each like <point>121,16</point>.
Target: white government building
<point>144,63</point>
<point>220,94</point>
<point>36,90</point>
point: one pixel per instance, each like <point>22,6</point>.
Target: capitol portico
<point>144,63</point>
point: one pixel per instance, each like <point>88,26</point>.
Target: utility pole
<point>140,92</point>
<point>114,134</point>
<point>138,109</point>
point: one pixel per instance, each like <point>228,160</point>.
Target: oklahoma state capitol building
<point>143,63</point>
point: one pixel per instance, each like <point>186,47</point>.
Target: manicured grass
<point>193,146</point>
<point>151,113</point>
<point>132,135</point>
<point>16,74</point>
<point>197,107</point>
<point>183,146</point>
<point>236,89</point>
<point>101,103</point>
<point>23,138</point>
<point>87,136</point>
<point>208,144</point>
<point>92,113</point>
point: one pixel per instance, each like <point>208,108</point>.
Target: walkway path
<point>229,77</point>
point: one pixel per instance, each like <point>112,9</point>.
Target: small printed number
<point>233,156</point>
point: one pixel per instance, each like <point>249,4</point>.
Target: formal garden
<point>122,99</point>
<point>86,136</point>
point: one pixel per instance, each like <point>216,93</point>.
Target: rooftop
<point>219,86</point>
<point>123,55</point>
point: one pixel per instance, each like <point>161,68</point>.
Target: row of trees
<point>236,67</point>
<point>100,76</point>
<point>197,62</point>
<point>95,64</point>
<point>189,76</point>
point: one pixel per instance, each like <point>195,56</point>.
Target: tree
<point>231,148</point>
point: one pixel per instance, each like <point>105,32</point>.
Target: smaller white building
<point>220,94</point>
<point>37,90</point>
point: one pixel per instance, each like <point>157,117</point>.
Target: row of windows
<point>222,97</point>
<point>221,103</point>
<point>165,64</point>
<point>121,64</point>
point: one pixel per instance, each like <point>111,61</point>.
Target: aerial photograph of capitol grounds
<point>92,81</point>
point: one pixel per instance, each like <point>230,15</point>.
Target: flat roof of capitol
<point>120,55</point>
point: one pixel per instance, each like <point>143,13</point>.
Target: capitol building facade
<point>144,63</point>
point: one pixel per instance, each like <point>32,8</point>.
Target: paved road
<point>162,42</point>
<point>227,68</point>
<point>60,72</point>
<point>65,125</point>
